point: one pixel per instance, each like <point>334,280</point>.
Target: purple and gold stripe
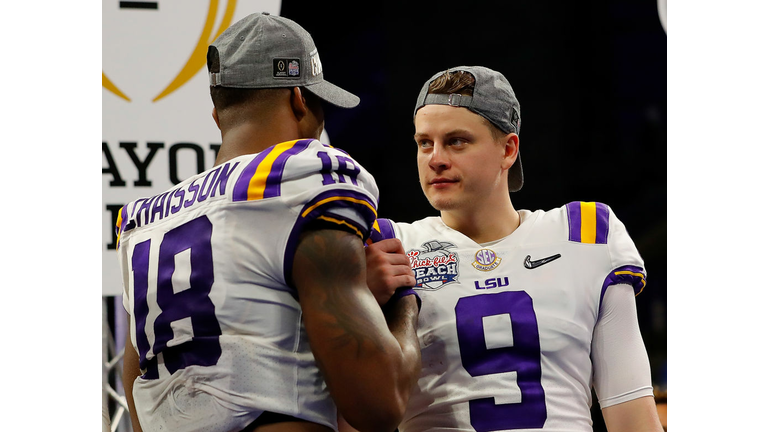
<point>382,229</point>
<point>261,178</point>
<point>587,222</point>
<point>337,198</point>
<point>337,221</point>
<point>321,208</point>
<point>631,275</point>
<point>122,218</point>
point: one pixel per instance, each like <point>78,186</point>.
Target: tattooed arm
<point>369,362</point>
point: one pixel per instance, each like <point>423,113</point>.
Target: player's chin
<point>441,198</point>
<point>442,201</point>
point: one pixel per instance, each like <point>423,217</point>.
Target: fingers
<point>402,274</point>
<point>389,251</point>
<point>405,280</point>
<point>381,268</point>
<point>388,265</point>
<point>388,268</point>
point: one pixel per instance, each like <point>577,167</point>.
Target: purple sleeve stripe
<point>382,229</point>
<point>601,219</point>
<point>402,292</point>
<point>321,207</point>
<point>327,211</point>
<point>290,251</point>
<point>340,198</point>
<point>275,177</point>
<point>293,242</point>
<point>353,225</point>
<point>574,221</point>
<point>629,274</point>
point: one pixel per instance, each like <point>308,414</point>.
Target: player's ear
<point>215,115</point>
<point>298,104</point>
<point>511,149</point>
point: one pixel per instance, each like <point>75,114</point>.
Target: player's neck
<point>486,225</point>
<point>254,137</point>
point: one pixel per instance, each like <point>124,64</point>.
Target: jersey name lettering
<point>171,202</point>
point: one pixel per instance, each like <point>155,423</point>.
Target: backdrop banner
<point>157,127</point>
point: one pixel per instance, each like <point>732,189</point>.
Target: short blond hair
<point>463,83</point>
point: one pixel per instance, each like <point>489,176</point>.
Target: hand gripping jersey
<point>506,328</point>
<point>206,272</point>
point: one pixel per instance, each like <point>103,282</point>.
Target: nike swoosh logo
<point>538,263</point>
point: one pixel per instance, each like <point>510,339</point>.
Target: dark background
<point>591,81</point>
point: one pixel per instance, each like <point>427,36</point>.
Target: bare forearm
<point>364,377</point>
<point>360,358</point>
<point>397,372</point>
<point>638,415</point>
<point>402,317</point>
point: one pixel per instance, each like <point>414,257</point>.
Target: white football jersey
<point>206,272</point>
<point>506,327</point>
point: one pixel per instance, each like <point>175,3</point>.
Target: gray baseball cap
<point>270,51</point>
<point>492,98</point>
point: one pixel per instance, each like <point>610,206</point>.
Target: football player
<point>245,285</point>
<point>523,312</point>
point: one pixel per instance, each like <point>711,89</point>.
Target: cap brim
<point>333,94</point>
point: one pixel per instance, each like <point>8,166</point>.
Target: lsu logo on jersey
<point>492,283</point>
<point>434,266</point>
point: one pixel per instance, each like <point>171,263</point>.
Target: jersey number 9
<point>523,357</point>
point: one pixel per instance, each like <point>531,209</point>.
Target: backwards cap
<point>492,99</point>
<point>270,51</point>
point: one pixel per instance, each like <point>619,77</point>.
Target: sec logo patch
<point>486,260</point>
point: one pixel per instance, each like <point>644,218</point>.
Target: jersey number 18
<point>180,307</point>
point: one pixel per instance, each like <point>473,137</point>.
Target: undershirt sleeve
<point>622,371</point>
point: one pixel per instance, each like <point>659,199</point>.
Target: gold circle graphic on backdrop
<point>196,60</point>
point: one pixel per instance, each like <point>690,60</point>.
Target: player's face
<point>460,163</point>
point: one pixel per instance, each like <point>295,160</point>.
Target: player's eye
<point>424,144</point>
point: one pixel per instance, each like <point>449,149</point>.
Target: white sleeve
<point>622,371</point>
